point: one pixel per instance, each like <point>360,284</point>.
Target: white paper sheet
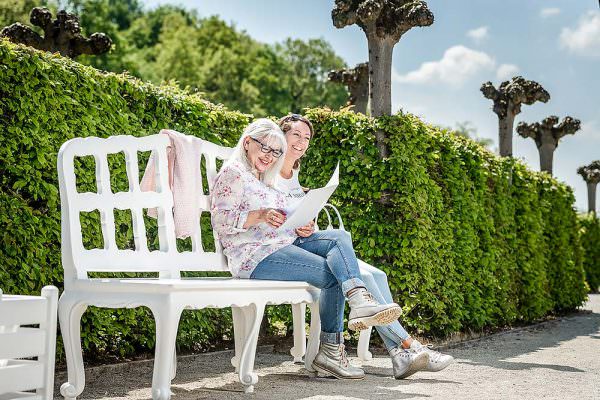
<point>309,207</point>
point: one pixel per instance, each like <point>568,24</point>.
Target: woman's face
<point>258,159</point>
<point>298,139</point>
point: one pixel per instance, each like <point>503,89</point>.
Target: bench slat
<point>25,342</point>
<point>19,375</point>
<point>26,310</point>
<point>150,261</point>
<point>122,200</point>
<point>20,395</point>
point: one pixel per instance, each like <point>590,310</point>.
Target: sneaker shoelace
<point>434,356</point>
<point>369,297</point>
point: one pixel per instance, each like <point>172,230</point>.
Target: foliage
<point>12,11</point>
<point>172,44</point>
<point>467,239</point>
<point>46,100</point>
<point>590,241</point>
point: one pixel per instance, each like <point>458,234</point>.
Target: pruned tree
<point>357,81</point>
<point>591,175</point>
<point>547,134</point>
<point>62,35</point>
<point>507,104</point>
<point>384,22</point>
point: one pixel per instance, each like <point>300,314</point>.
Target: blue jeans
<point>376,283</point>
<point>325,260</point>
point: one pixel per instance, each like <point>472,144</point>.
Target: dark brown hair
<point>285,123</point>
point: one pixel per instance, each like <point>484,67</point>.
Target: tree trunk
<point>380,83</point>
<point>361,97</point>
<point>506,134</point>
<point>546,155</point>
<point>592,197</point>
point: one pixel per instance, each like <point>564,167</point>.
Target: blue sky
<point>437,71</point>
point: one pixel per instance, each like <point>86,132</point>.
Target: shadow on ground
<point>210,376</point>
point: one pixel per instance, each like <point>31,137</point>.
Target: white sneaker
<point>365,311</point>
<point>437,361</point>
<point>407,361</point>
<point>332,360</point>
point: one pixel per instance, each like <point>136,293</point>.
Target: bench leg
<point>314,336</point>
<point>253,316</point>
<point>363,345</point>
<point>174,365</point>
<point>70,311</point>
<point>239,334</point>
<point>166,316</point>
<point>51,294</point>
<point>299,315</point>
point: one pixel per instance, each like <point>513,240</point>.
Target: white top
<point>291,187</point>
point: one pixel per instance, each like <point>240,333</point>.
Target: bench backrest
<point>19,344</point>
<point>167,261</point>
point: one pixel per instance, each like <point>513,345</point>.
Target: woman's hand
<point>307,230</point>
<point>273,217</point>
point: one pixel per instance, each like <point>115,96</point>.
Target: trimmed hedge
<point>468,239</point>
<point>590,240</point>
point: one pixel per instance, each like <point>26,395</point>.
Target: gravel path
<point>558,359</point>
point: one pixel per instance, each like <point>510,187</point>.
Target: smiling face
<point>260,161</point>
<point>298,139</point>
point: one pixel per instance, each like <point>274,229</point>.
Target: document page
<point>308,208</point>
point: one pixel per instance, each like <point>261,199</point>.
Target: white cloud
<point>549,12</point>
<point>479,34</point>
<point>585,38</point>
<point>506,71</point>
<point>457,65</point>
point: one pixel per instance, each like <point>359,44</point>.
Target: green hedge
<point>468,239</point>
<point>590,241</point>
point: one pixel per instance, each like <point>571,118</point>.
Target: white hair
<point>262,129</point>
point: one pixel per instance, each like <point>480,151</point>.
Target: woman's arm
<point>226,203</point>
<point>271,216</point>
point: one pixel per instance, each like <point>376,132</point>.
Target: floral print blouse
<point>235,193</point>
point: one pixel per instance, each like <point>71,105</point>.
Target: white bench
<point>168,294</point>
<point>20,376</point>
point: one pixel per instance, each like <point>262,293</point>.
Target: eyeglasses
<point>267,149</point>
<point>296,117</point>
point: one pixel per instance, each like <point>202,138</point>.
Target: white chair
<point>168,294</point>
<point>22,377</point>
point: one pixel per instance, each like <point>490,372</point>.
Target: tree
<point>547,135</point>
<point>591,175</point>
<point>507,104</point>
<point>384,23</point>
<point>62,35</point>
<point>172,44</point>
<point>304,77</point>
<point>230,67</point>
<point>113,17</point>
<point>176,54</point>
<point>467,130</point>
<point>12,11</point>
<point>357,82</point>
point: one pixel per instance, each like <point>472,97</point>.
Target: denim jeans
<point>325,260</point>
<point>376,283</point>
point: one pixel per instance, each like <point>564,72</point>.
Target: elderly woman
<point>407,354</point>
<point>246,214</point>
